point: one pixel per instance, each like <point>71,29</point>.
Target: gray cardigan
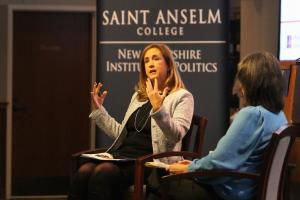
<point>169,123</point>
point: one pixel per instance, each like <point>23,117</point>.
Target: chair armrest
<point>203,173</point>
<point>210,173</point>
<point>150,157</point>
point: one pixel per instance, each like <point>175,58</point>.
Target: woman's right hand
<point>97,98</point>
<point>178,168</point>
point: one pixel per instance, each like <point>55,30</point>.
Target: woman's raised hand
<point>155,96</point>
<point>97,98</point>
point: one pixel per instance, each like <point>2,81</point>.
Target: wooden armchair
<point>271,177</point>
<point>192,142</point>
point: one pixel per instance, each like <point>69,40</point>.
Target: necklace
<point>136,125</point>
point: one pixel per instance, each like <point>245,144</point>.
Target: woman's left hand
<point>155,96</point>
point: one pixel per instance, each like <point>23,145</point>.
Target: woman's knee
<point>106,168</point>
<point>86,169</point>
<point>105,172</point>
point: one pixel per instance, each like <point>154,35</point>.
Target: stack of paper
<point>157,164</point>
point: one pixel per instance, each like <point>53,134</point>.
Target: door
<point>51,97</point>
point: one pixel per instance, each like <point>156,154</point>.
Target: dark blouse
<point>138,140</point>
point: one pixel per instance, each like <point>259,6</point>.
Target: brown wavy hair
<point>260,75</point>
<point>173,81</point>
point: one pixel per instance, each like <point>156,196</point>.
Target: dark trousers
<point>186,190</point>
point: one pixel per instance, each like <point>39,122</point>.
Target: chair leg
<point>286,189</point>
<point>165,191</point>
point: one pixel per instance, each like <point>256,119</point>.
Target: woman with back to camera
<point>159,115</point>
<point>242,147</point>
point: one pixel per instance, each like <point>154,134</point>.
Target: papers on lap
<point>157,164</point>
<point>105,156</point>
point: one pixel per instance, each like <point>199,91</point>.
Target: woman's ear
<point>236,87</point>
<point>242,97</point>
<point>242,92</point>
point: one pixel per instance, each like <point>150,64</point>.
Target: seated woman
<point>158,117</point>
<point>242,147</point>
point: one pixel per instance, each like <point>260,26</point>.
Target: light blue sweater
<point>241,149</point>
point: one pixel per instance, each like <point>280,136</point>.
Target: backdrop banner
<point>196,31</point>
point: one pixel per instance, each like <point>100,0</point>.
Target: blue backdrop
<point>196,31</point>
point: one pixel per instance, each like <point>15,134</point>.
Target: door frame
<point>9,83</point>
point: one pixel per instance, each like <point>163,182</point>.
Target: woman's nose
<point>151,65</point>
